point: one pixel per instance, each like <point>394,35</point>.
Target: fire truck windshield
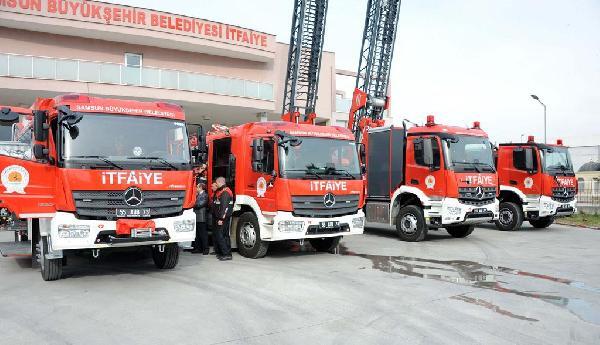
<point>557,160</point>
<point>468,153</point>
<point>320,158</point>
<point>127,140</point>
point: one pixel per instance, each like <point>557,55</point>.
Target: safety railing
<point>37,67</point>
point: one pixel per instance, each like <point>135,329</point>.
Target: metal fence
<point>588,195</point>
<point>38,67</point>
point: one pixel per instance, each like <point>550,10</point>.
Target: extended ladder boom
<point>370,98</point>
<point>304,60</point>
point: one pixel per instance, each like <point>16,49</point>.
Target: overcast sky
<point>462,60</point>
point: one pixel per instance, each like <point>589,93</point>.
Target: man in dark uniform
<point>222,208</point>
<point>201,243</point>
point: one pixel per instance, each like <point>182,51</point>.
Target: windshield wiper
<point>485,165</point>
<point>340,172</point>
<point>306,172</point>
<point>102,158</point>
<point>473,166</point>
<point>158,159</point>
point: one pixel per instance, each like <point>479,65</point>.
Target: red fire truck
<point>537,184</point>
<point>429,177</point>
<point>105,173</point>
<point>291,182</point>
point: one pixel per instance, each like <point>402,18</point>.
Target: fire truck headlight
<point>454,211</point>
<point>73,231</point>
<point>291,226</point>
<point>358,222</point>
<point>184,225</point>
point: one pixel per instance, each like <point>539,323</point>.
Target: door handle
<point>251,185</point>
<point>413,181</point>
<point>513,182</point>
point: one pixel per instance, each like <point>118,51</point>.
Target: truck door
<point>261,178</point>
<point>527,181</point>
<point>423,172</point>
<point>27,186</point>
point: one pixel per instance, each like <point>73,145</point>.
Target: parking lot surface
<point>527,287</point>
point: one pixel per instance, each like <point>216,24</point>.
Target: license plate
<point>141,233</point>
<point>133,212</point>
<point>480,210</point>
<point>329,225</point>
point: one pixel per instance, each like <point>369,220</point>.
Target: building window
<point>581,185</point>
<point>341,123</point>
<point>133,60</point>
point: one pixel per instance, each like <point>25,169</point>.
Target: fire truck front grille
<point>477,196</point>
<point>102,205</point>
<point>314,205</point>
<point>563,194</point>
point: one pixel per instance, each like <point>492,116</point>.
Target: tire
<point>326,244</point>
<point>460,231</point>
<point>51,269</point>
<point>168,259</point>
<point>247,237</point>
<point>511,217</point>
<point>541,223</point>
<point>410,224</point>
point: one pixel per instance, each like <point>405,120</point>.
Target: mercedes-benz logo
<point>329,200</point>
<point>133,196</point>
<point>479,193</point>
<point>566,193</point>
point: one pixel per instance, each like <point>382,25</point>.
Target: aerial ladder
<point>370,98</point>
<point>304,61</point>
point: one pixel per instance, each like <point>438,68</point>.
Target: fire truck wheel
<point>168,259</point>
<point>248,237</point>
<point>51,268</point>
<point>327,244</point>
<point>543,222</point>
<point>410,224</point>
<point>511,217</point>
<point>460,231</point>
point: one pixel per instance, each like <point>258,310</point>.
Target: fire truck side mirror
<point>258,154</point>
<point>40,127</point>
<point>40,152</point>
<point>7,115</point>
<point>362,153</point>
<point>427,152</point>
<point>529,157</point>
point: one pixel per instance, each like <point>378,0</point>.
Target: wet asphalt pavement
<point>527,287</point>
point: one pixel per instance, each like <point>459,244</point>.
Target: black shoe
<point>205,252</point>
<point>225,258</point>
<point>214,253</point>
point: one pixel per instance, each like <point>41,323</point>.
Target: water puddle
<point>491,307</point>
<point>481,276</point>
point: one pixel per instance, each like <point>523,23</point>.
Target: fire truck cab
<point>103,173</point>
<point>537,184</point>
<point>430,177</point>
<point>290,181</point>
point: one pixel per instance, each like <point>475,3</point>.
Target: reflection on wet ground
<point>481,276</point>
<point>491,307</point>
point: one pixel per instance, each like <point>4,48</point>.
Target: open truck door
<point>27,177</point>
